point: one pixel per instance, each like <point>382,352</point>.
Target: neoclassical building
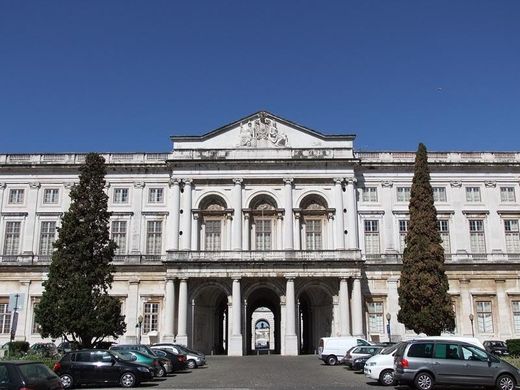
<point>266,234</point>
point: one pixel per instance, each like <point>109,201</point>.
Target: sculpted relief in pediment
<point>262,132</point>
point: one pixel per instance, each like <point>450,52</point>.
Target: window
<point>403,194</point>
<point>484,317</point>
<point>473,194</point>
<point>36,328</point>
<point>213,232</point>
<point>443,226</point>
<point>120,195</point>
<point>375,317</point>
<point>421,350</point>
<point>372,237</point>
<point>5,317</point>
<point>47,237</point>
<point>155,195</point>
<point>473,354</point>
<point>507,194</point>
<point>263,233</point>
<point>515,305</point>
<point>50,195</point>
<point>313,236</point>
<point>439,194</point>
<point>446,351</point>
<point>16,196</point>
<point>477,238</point>
<point>512,235</point>
<point>119,236</point>
<point>403,230</point>
<point>12,238</point>
<point>151,317</point>
<point>370,194</point>
<point>154,237</point>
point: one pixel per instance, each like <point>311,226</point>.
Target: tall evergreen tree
<point>426,306</point>
<point>75,304</point>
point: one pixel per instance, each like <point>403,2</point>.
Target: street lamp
<point>388,317</point>
<point>139,326</point>
<point>471,317</point>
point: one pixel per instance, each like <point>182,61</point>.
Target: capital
<point>351,180</point>
<point>387,184</point>
<point>456,184</point>
<point>288,180</point>
<point>2,185</point>
<point>174,181</point>
<point>338,180</point>
<point>238,180</point>
<point>187,181</point>
<point>34,185</point>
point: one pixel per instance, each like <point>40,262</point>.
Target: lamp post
<point>471,317</point>
<point>388,317</point>
<point>139,327</point>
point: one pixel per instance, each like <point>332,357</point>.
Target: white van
<point>333,349</point>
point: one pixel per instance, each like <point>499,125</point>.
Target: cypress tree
<point>75,304</point>
<point>426,306</point>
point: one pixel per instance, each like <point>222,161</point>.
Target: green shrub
<point>17,348</point>
<point>514,346</point>
<point>514,360</point>
<point>49,362</point>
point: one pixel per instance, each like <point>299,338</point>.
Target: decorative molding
<point>139,185</point>
<point>490,184</point>
<point>14,214</point>
<point>187,181</point>
<point>122,213</point>
<point>288,180</point>
<point>475,212</point>
<point>68,185</point>
<point>387,184</point>
<point>49,213</point>
<point>158,213</point>
<point>338,180</point>
<point>174,181</point>
<point>456,184</point>
<point>351,180</point>
<point>2,185</point>
<point>262,132</point>
<point>35,185</point>
<point>238,180</point>
<point>371,212</point>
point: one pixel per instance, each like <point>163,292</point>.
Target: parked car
<point>194,359</point>
<point>97,366</point>
<point>357,352</point>
<point>146,350</point>
<point>358,364</point>
<point>426,363</point>
<point>178,360</point>
<point>68,346</point>
<point>43,350</point>
<point>16,375</point>
<point>332,349</point>
<point>496,347</point>
<point>380,367</point>
<point>153,362</point>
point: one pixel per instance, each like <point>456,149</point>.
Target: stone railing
<point>79,158</point>
<point>440,157</point>
<point>21,260</point>
<point>263,154</point>
<point>264,256</point>
<point>451,258</point>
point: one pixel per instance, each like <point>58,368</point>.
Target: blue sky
<point>125,75</point>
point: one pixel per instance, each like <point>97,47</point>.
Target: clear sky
<point>125,75</point>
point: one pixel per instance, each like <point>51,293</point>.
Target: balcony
<point>349,255</point>
<point>450,258</point>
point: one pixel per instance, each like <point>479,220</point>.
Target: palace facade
<point>264,234</point>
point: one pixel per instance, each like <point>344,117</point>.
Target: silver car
<point>193,359</point>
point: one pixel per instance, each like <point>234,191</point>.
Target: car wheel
<point>66,381</point>
<point>386,378</point>
<point>192,364</point>
<point>162,372</point>
<point>128,380</point>
<point>332,360</point>
<point>424,381</point>
<point>505,382</point>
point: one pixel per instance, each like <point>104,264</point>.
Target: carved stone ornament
<point>261,132</point>
<point>70,184</point>
<point>2,185</point>
<point>34,185</point>
<point>387,184</point>
<point>139,184</point>
<point>174,181</point>
<point>456,184</point>
<point>490,184</point>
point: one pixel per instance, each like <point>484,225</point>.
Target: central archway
<point>263,304</point>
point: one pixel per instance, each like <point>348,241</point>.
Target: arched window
<point>264,224</point>
<point>213,223</point>
<point>314,216</point>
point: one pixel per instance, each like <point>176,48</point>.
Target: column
<point>288,234</point>
<point>396,328</point>
<point>186,216</point>
<point>339,226</point>
<point>182,326</point>
<point>169,306</point>
<point>235,342</point>
<point>291,340</point>
<point>30,221</point>
<point>466,308</point>
<point>245,232</point>
<point>132,308</point>
<point>172,230</point>
<point>344,309</point>
<point>357,308</point>
<point>504,312</point>
<point>236,240</point>
<point>138,225</point>
<point>24,326</point>
<point>352,218</point>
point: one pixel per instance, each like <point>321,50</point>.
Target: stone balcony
<point>450,258</point>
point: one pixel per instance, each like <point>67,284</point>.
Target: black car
<point>358,364</point>
<point>97,366</point>
<point>497,348</point>
<point>179,361</point>
<point>15,375</point>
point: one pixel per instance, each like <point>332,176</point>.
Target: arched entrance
<point>210,314</point>
<point>263,302</point>
<point>314,317</point>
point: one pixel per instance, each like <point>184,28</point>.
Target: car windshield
<point>124,355</point>
<point>498,344</point>
<point>34,372</point>
<point>389,350</point>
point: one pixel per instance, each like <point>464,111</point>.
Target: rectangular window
<point>119,236</point>
<point>403,231</point>
<point>155,195</point>
<point>439,194</point>
<point>447,351</point>
<point>443,226</point>
<point>484,317</point>
<point>512,235</point>
<point>120,195</point>
<point>375,317</point>
<point>47,237</point>
<point>213,233</point>
<point>16,196</point>
<point>477,238</point>
<point>151,317</point>
<point>507,194</point>
<point>403,194</point>
<point>370,194</point>
<point>263,232</point>
<point>5,317</point>
<point>473,194</point>
<point>372,237</point>
<point>154,237</point>
<point>313,237</point>
<point>515,306</point>
<point>50,195</point>
<point>12,238</point>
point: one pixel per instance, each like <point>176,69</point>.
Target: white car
<point>381,367</point>
<point>332,349</point>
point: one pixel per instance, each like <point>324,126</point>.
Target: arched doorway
<point>262,322</point>
<point>263,302</point>
<point>315,317</point>
<point>210,319</point>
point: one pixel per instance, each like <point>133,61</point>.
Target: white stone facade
<point>265,213</point>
